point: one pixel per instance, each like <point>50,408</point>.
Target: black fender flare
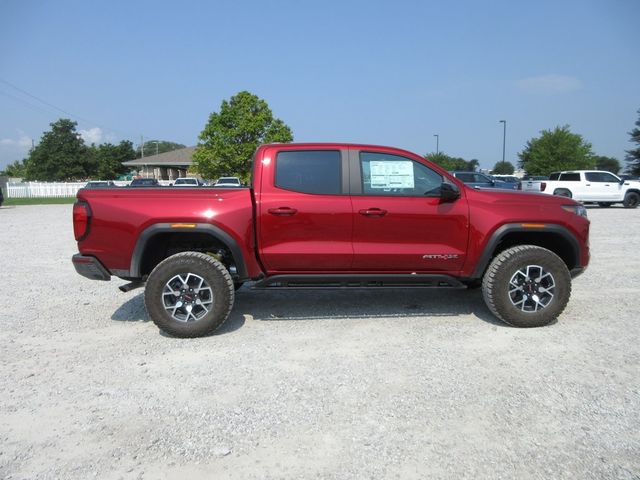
<point>216,232</point>
<point>508,228</point>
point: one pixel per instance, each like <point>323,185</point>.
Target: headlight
<point>577,209</point>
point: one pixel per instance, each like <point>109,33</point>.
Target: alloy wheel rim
<point>187,297</point>
<point>531,289</point>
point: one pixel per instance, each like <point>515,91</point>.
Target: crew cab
<point>589,186</point>
<point>332,215</point>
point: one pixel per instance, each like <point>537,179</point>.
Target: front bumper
<point>90,267</point>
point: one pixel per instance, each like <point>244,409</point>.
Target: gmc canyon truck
<point>332,216</point>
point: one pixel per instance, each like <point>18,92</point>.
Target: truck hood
<point>517,197</point>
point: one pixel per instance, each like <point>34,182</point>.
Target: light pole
<point>437,143</point>
<point>504,137</point>
<point>156,142</point>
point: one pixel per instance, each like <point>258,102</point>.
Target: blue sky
<point>392,73</point>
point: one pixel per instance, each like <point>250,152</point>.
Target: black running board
<point>358,281</point>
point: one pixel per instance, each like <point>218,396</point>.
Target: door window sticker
<point>391,174</point>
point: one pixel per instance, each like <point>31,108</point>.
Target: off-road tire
<point>193,267</point>
<point>631,200</point>
<point>496,285</point>
<point>563,192</point>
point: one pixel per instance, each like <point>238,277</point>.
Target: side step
<point>358,281</point>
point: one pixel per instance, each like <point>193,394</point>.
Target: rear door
<point>304,217</point>
<point>400,224</point>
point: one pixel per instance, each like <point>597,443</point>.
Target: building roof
<point>179,158</point>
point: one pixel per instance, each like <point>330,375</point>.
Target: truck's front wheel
<point>631,200</point>
<point>527,286</point>
<point>189,294</point>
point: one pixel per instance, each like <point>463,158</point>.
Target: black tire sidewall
<point>629,201</point>
<point>504,267</point>
<point>208,268</point>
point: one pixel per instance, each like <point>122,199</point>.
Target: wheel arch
<point>563,189</point>
<point>555,238</point>
<point>143,259</point>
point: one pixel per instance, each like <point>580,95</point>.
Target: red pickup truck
<point>333,216</point>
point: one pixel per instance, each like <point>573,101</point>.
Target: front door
<point>400,223</point>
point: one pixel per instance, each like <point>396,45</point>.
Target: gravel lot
<point>360,384</point>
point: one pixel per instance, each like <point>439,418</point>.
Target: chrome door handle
<point>373,212</point>
<point>282,211</point>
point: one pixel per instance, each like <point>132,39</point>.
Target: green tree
<point>232,135</point>
<point>503,168</point>
<point>452,163</point>
<point>633,155</point>
<point>557,149</point>
<point>608,164</point>
<point>107,159</point>
<point>156,147</point>
<point>17,169</point>
<point>61,155</point>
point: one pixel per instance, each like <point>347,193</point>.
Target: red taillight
<point>81,220</point>
<point>543,186</point>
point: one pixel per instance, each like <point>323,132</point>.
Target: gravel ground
<point>360,384</point>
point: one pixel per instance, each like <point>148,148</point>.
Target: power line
<point>50,105</point>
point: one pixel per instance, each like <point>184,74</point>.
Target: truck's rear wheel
<point>189,294</point>
<point>631,200</point>
<point>527,286</point>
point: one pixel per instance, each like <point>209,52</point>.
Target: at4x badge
<point>440,256</point>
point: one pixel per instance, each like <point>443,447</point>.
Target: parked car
<point>188,182</point>
<point>232,182</point>
<point>507,178</point>
<point>100,184</point>
<point>145,182</point>
<point>480,180</point>
<point>532,183</point>
<point>398,220</point>
<point>629,177</point>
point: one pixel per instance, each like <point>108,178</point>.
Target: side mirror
<point>449,192</point>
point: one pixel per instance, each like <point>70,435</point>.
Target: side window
<point>570,177</point>
<point>310,171</point>
<point>466,177</point>
<point>600,177</point>
<point>384,174</point>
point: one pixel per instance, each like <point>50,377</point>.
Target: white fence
<point>41,189</point>
<point>50,190</point>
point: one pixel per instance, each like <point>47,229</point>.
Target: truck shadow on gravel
<point>305,305</point>
<point>328,305</point>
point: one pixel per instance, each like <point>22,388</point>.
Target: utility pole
<point>504,137</point>
<point>141,146</point>
<point>437,143</point>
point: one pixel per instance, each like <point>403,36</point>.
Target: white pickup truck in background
<point>589,186</point>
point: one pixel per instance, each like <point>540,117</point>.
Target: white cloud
<point>93,135</point>
<point>21,143</point>
<point>549,84</point>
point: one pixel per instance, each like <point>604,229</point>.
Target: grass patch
<point>37,201</point>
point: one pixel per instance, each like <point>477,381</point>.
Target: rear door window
<point>310,171</point>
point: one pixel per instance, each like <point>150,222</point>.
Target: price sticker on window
<point>396,174</point>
